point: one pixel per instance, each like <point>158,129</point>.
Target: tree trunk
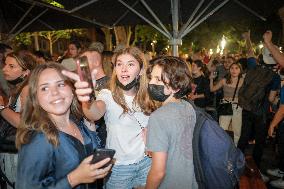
<point>135,37</point>
<point>35,34</point>
<point>108,37</point>
<point>92,33</point>
<point>144,45</point>
<point>50,43</point>
<point>129,33</point>
<point>120,35</point>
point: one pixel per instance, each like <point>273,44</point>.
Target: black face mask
<point>156,92</point>
<point>130,85</point>
<point>16,81</point>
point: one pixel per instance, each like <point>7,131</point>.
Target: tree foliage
<point>53,36</point>
<point>208,35</point>
<point>145,35</point>
<point>54,3</point>
<point>23,39</point>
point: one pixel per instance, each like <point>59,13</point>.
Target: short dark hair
<point>76,43</point>
<point>203,67</point>
<point>176,71</point>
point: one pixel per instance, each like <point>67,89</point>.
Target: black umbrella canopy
<point>11,11</point>
<point>90,13</point>
<point>111,11</point>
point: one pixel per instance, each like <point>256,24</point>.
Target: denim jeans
<point>129,176</point>
<point>8,164</point>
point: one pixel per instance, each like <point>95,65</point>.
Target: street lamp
<point>218,49</point>
<point>260,46</point>
<point>153,43</point>
<point>210,51</point>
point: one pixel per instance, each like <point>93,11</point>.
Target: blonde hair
<point>34,118</point>
<point>141,99</point>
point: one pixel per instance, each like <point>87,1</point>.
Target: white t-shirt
<point>124,133</point>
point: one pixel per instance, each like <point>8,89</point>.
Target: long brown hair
<point>228,77</point>
<point>27,62</point>
<point>141,98</point>
<point>34,117</point>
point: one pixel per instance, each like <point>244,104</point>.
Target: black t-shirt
<point>202,87</point>
<point>102,83</point>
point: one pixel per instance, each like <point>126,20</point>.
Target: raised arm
<point>278,117</point>
<point>277,55</point>
<point>92,110</point>
<point>219,85</point>
<point>11,116</point>
<point>250,51</point>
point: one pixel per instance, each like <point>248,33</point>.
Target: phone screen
<point>84,72</point>
<point>100,154</point>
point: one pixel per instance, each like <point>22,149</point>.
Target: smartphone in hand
<point>101,153</point>
<point>84,72</point>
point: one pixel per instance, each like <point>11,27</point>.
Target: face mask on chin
<point>156,92</point>
<point>17,80</point>
<point>130,85</point>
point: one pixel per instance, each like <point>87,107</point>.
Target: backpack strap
<point>198,170</point>
<point>236,89</point>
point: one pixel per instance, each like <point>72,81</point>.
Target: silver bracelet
<point>2,107</point>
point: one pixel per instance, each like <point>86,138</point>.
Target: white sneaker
<point>279,183</point>
<point>275,172</point>
<point>264,177</point>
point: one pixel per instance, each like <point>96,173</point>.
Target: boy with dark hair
<point>171,126</point>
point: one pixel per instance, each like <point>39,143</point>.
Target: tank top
<point>229,91</point>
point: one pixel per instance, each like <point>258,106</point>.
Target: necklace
<point>74,131</point>
<point>131,114</point>
<point>65,129</point>
<point>140,133</point>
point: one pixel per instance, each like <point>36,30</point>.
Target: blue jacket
<point>42,165</point>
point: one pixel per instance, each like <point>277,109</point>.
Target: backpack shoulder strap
<point>13,103</point>
<point>198,170</point>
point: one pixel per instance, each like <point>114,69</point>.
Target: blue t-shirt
<point>251,63</point>
<point>274,85</point>
<point>282,95</point>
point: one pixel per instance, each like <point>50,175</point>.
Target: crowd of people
<point>52,120</point>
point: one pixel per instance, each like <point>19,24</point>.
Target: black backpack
<point>217,161</point>
<point>253,91</point>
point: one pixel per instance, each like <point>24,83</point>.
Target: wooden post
<point>108,36</point>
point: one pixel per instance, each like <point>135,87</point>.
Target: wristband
<point>2,107</point>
